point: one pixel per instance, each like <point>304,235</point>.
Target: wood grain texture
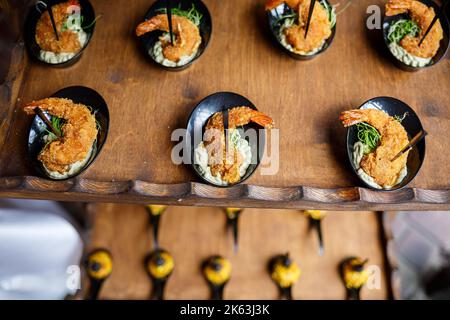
<point>192,234</point>
<point>146,103</point>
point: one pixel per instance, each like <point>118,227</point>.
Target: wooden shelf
<point>304,98</point>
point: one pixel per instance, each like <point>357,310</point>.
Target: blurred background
<point>42,241</point>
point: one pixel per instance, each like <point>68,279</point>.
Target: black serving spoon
<point>275,23</point>
<point>412,125</point>
<point>39,128</point>
<point>99,267</point>
<point>34,14</point>
<point>196,127</point>
<point>158,258</point>
<point>232,215</point>
<point>214,263</point>
<point>155,212</point>
<point>444,45</point>
<point>148,40</point>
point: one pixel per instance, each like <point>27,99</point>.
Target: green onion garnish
<point>402,28</point>
<point>369,136</point>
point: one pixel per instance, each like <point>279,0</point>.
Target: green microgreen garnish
<point>402,28</point>
<point>369,136</point>
<point>192,14</point>
<point>400,118</point>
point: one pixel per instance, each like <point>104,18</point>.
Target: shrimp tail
<point>352,117</point>
<point>29,107</point>
<point>263,120</point>
<point>145,27</point>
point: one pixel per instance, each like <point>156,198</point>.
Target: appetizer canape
<point>217,272</point>
<point>68,131</point>
<point>288,20</point>
<point>99,267</point>
<point>66,155</point>
<point>354,276</point>
<point>74,24</point>
<point>215,163</point>
<point>285,273</point>
<point>159,265</point>
<point>380,138</point>
<point>405,25</point>
<point>188,28</point>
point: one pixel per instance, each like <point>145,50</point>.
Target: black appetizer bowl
<point>88,19</point>
<point>412,125</point>
<point>198,119</point>
<point>274,16</point>
<point>444,44</point>
<point>38,129</point>
<point>149,40</point>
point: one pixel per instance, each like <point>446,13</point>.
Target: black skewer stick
<point>169,18</point>
<point>318,226</point>
<point>41,115</point>
<point>158,286</point>
<point>225,128</point>
<point>311,10</point>
<point>94,289</point>
<point>436,17</point>
<point>52,19</point>
<point>417,138</point>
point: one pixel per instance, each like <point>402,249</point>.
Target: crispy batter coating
<point>423,16</point>
<point>394,138</point>
<point>187,35</point>
<point>78,133</point>
<point>220,161</point>
<point>319,28</point>
<point>45,36</point>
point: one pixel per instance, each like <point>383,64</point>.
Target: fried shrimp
<point>319,28</point>
<point>187,35</point>
<point>227,163</point>
<point>423,16</point>
<point>272,4</point>
<point>378,164</point>
<point>78,133</point>
<point>68,39</point>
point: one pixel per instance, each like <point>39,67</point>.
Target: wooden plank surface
<point>304,98</point>
<point>192,234</point>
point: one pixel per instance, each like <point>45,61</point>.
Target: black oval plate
<point>78,94</point>
<point>218,102</point>
<point>387,21</point>
<point>273,17</point>
<point>87,11</point>
<point>412,125</point>
<point>148,40</point>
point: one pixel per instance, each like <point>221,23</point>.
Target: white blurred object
<point>39,246</point>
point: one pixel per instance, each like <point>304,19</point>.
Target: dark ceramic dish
<point>88,14</point>
<point>38,128</point>
<point>273,17</point>
<point>148,40</point>
<point>412,125</point>
<point>443,45</point>
<point>218,102</point>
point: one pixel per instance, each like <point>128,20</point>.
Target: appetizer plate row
<point>60,38</point>
<point>225,137</point>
